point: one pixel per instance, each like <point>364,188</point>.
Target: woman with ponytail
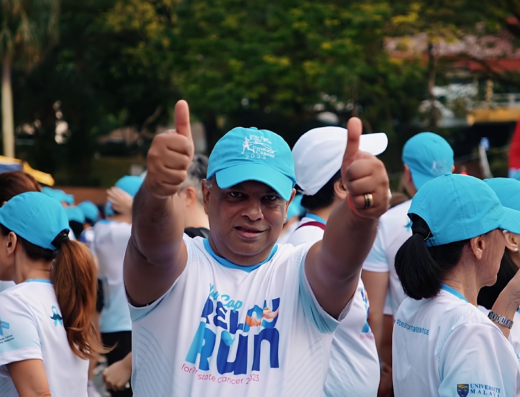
<point>46,329</point>
<point>443,345</point>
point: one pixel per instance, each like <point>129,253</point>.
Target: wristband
<point>501,320</point>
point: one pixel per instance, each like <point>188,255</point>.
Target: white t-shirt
<point>110,242</point>
<point>354,364</point>
<point>394,229</point>
<point>31,328</point>
<point>446,347</point>
<point>6,284</point>
<point>514,333</point>
<point>227,330</point>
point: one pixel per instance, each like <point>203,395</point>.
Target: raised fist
<point>170,155</point>
<point>364,174</point>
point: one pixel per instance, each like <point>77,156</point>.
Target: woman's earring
<point>516,249</point>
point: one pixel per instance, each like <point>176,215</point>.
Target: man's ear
<point>206,192</point>
<point>340,190</point>
<point>191,195</point>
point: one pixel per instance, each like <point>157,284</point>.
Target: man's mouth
<point>248,231</point>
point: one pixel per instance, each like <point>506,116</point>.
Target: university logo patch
<point>462,390</point>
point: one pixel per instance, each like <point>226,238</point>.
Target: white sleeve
<point>477,359</point>
<point>377,260</point>
<point>323,321</point>
<point>19,339</point>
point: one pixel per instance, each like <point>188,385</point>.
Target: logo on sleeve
<point>478,389</point>
<point>56,317</point>
<point>462,390</point>
<point>3,325</point>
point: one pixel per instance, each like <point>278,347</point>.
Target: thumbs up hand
<point>364,176</point>
<point>170,155</point>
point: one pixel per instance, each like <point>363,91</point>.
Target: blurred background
<point>86,84</point>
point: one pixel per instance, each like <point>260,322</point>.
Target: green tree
<point>27,29</point>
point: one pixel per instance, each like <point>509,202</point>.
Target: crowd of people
<point>265,271</point>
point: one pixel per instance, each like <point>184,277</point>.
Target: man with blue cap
<point>111,237</point>
<point>236,314</point>
<point>425,156</point>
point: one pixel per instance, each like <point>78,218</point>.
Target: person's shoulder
<point>305,234</point>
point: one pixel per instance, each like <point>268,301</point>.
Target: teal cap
<point>36,217</point>
<point>428,156</point>
<point>250,154</point>
<point>75,214</point>
<point>459,207</point>
<point>59,195</point>
<point>90,210</point>
<point>507,191</point>
<point>129,184</point>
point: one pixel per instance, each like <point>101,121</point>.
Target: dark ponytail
<point>422,269</point>
<point>74,277</point>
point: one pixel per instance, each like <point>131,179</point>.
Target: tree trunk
<point>432,63</point>
<point>7,109</point>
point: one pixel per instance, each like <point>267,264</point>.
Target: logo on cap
<point>258,146</point>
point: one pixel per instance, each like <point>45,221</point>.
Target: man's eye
<point>271,197</point>
<point>236,194</point>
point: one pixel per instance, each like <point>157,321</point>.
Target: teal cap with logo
<point>460,207</point>
<point>36,217</point>
<point>428,156</point>
<point>507,191</point>
<point>250,154</point>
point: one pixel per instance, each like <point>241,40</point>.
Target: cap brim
<point>420,179</point>
<point>510,221</point>
<point>232,176</point>
<point>373,143</point>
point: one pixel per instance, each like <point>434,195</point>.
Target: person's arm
<point>29,378</point>
<point>508,302</point>
<point>117,376</point>
<point>376,285</point>
<point>333,265</point>
<point>156,254</point>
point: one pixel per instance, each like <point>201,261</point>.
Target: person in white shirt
<point>111,237</point>
<point>443,345</point>
<point>11,184</point>
<point>425,157</point>
<point>508,191</point>
<point>46,328</point>
<point>318,154</point>
<point>236,314</point>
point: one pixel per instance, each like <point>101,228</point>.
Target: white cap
<point>318,155</point>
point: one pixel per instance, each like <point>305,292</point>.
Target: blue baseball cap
<point>517,175</point>
<point>295,208</point>
<point>35,217</point>
<point>507,191</point>
<point>75,214</point>
<point>129,184</point>
<point>460,207</point>
<point>428,156</point>
<point>90,210</point>
<point>250,154</point>
<point>59,195</point>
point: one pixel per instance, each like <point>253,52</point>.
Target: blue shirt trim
<point>453,291</point>
<point>38,280</point>
<point>224,262</point>
<point>316,218</point>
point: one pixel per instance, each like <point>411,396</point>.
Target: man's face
<point>245,220</point>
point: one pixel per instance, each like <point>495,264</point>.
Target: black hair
<point>76,227</point>
<point>488,295</point>
<point>422,269</point>
<point>325,196</point>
